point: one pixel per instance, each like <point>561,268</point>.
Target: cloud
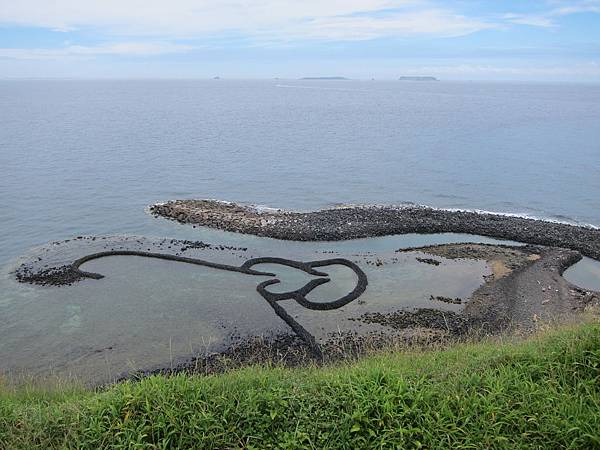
<point>435,22</point>
<point>82,52</point>
<point>583,7</point>
<point>548,19</point>
<point>532,20</point>
<point>276,19</point>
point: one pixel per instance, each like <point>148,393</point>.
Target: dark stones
<point>451,322</point>
<point>440,298</point>
<point>367,221</point>
<point>71,273</point>
<point>431,261</point>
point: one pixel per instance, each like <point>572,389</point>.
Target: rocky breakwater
<point>221,215</point>
<point>367,221</point>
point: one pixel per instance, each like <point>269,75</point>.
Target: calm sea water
<point>86,157</point>
<point>149,313</point>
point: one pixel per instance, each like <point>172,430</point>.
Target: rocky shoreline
<point>524,290</point>
<point>369,221</point>
<point>529,294</point>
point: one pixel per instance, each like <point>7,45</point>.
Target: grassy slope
<point>544,392</point>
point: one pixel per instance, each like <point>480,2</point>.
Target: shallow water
<point>147,313</point>
<point>86,158</point>
<point>585,274</point>
<point>405,284</point>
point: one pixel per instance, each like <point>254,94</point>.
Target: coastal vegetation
<point>539,392</point>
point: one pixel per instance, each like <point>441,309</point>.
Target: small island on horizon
<point>324,78</point>
<point>408,78</point>
<point>402,78</point>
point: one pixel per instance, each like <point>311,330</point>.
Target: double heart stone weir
<point>299,295</point>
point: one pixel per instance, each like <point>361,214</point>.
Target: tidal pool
<point>585,274</point>
<point>149,313</point>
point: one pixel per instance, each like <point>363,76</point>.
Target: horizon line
<point>300,78</point>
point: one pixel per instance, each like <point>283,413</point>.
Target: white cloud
<point>582,7</point>
<point>79,51</point>
<point>284,19</point>
<point>532,20</point>
<point>428,22</point>
<point>548,19</point>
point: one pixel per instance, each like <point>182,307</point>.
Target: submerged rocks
<point>54,276</point>
<point>525,287</point>
<point>509,296</point>
<point>430,261</point>
<point>52,265</point>
<point>441,298</point>
<point>451,322</point>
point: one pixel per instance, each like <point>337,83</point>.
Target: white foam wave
<point>524,216</point>
<point>405,205</point>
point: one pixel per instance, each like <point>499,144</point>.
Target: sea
<point>87,157</point>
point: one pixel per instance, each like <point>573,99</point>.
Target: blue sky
<point>545,40</point>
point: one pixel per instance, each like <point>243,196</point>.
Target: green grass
<point>540,393</point>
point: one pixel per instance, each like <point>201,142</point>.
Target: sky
<point>541,40</point>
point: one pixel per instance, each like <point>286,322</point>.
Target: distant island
<point>324,78</point>
<point>418,79</point>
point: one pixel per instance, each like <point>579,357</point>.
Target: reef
<point>368,221</point>
<point>524,289</point>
